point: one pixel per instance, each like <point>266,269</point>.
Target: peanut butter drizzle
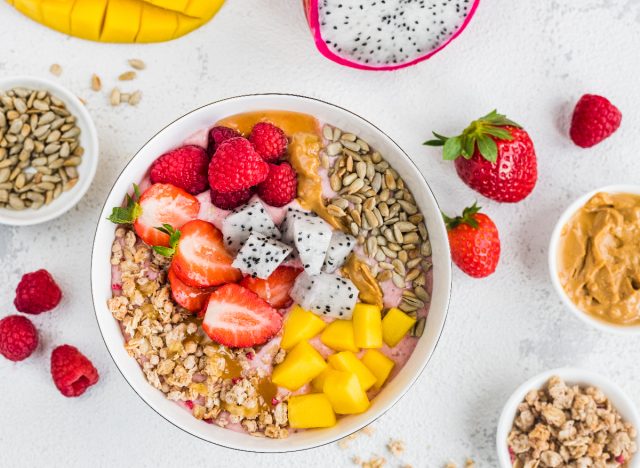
<point>599,258</point>
<point>289,122</point>
<point>358,272</point>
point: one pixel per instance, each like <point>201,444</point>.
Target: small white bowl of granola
<point>568,417</point>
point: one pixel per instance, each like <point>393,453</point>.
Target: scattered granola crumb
<point>135,98</point>
<point>55,69</point>
<point>396,447</point>
<point>374,462</point>
<point>368,430</point>
<point>96,82</point>
<point>344,442</point>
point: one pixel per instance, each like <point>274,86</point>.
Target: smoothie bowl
<point>271,273</point>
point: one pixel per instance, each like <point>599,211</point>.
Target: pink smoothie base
<point>264,356</point>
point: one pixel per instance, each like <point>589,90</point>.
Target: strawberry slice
<point>239,318</point>
<point>200,258</point>
<point>159,205</point>
<point>192,299</point>
<point>275,289</point>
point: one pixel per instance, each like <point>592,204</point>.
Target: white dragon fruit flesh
<point>325,294</point>
<point>241,222</point>
<point>340,247</point>
<point>311,236</point>
<point>388,34</point>
<point>260,256</point>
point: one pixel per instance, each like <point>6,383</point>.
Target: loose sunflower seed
<point>418,328</point>
<point>422,293</point>
<point>127,76</point>
<point>137,64</point>
<point>398,281</point>
<point>96,82</point>
<point>327,133</point>
<point>55,69</point>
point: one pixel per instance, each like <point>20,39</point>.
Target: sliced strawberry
<point>200,259</point>
<point>192,299</point>
<point>239,318</point>
<point>275,289</point>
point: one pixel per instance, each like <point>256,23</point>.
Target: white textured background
<point>530,59</point>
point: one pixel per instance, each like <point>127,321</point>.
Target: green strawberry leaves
<point>468,218</point>
<point>481,134</point>
<point>130,212</point>
<point>174,237</point>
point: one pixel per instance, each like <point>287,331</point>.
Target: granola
<point>217,384</point>
<point>570,426</point>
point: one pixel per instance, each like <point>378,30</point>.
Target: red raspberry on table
<point>281,185</point>
<point>185,167</point>
<point>231,200</point>
<point>72,372</point>
<point>218,135</point>
<point>37,292</point>
<point>18,337</point>
<point>236,166</point>
<point>594,119</point>
<point>269,141</point>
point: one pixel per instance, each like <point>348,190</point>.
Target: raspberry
<point>269,141</point>
<point>218,135</point>
<point>18,337</point>
<point>594,119</point>
<point>72,372</point>
<point>231,200</point>
<point>37,292</point>
<point>184,167</point>
<point>281,185</point>
<point>236,166</point>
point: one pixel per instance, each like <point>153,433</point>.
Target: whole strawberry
<point>236,166</point>
<point>269,141</point>
<point>594,119</point>
<point>281,185</point>
<point>185,167</point>
<point>474,240</point>
<point>494,156</point>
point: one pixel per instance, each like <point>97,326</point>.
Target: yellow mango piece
<point>395,325</point>
<point>312,410</point>
<point>156,24</point>
<point>86,18</point>
<point>339,336</point>
<point>345,393</point>
<point>31,8</point>
<point>349,362</point>
<point>57,14</point>
<point>122,21</point>
<point>174,5</point>
<point>301,366</point>
<point>300,325</point>
<point>367,326</point>
<point>379,365</point>
<point>186,24</point>
<point>318,382</point>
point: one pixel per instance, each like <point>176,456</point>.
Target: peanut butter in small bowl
<point>598,258</point>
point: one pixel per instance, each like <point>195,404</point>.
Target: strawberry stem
<point>130,212</point>
<point>467,217</point>
<point>174,237</point>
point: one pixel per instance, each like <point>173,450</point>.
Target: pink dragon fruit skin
<point>313,18</point>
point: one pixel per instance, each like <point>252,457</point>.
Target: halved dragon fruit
<point>325,294</point>
<point>388,34</point>
<point>260,256</point>
<point>241,222</point>
<point>311,236</point>
<point>339,249</point>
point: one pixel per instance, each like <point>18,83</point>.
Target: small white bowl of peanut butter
<point>594,258</point>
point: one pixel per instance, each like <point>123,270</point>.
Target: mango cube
<point>318,382</point>
<point>348,362</point>
<point>311,410</point>
<point>86,18</point>
<point>345,393</point>
<point>301,366</point>
<point>156,24</point>
<point>57,14</point>
<point>300,325</point>
<point>395,325</point>
<point>379,365</point>
<point>339,336</point>
<point>121,21</point>
<point>367,326</point>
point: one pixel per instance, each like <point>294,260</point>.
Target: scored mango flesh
<point>121,20</point>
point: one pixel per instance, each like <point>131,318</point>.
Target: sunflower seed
<point>385,265</point>
<point>55,69</point>
<point>335,182</point>
<point>361,169</point>
<point>354,229</point>
<point>384,275</point>
<point>348,179</point>
<point>418,328</point>
<point>398,281</point>
<point>425,248</point>
<point>411,238</point>
<point>409,208</point>
<point>67,186</point>
<point>398,267</point>
<point>327,133</point>
<point>137,64</point>
<point>96,82</point>
<point>422,294</point>
<point>340,203</point>
<point>403,256</point>
<point>336,211</point>
<point>135,98</point>
<point>334,149</point>
<point>127,76</point>
<point>16,202</point>
<point>114,99</point>
<point>4,174</point>
<point>406,307</point>
<point>388,252</point>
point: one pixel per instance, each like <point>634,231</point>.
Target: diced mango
<point>156,24</point>
<point>175,5</point>
<point>300,325</point>
<point>349,362</point>
<point>301,366</point>
<point>86,18</point>
<point>57,14</point>
<point>367,326</point>
<point>318,382</point>
<point>395,325</point>
<point>311,410</point>
<point>345,393</point>
<point>31,8</point>
<point>339,336</point>
<point>379,364</point>
<point>122,21</point>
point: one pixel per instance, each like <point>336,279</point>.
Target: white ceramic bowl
<point>172,136</point>
<point>571,376</point>
<point>553,260</point>
<point>86,170</point>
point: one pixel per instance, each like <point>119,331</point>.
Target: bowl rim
<point>81,113</point>
<point>396,398</point>
<point>554,243</point>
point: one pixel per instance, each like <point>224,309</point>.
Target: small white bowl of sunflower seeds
<point>48,150</point>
